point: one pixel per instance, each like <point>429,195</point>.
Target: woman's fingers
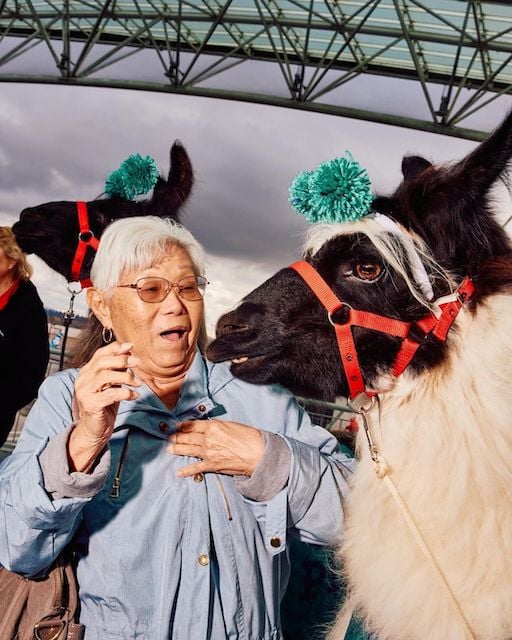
<point>187,444</point>
<point>113,357</point>
<point>187,437</point>
<point>109,367</point>
<point>108,378</point>
<point>95,424</point>
<point>104,382</point>
<point>191,450</point>
<point>112,349</point>
<point>224,447</point>
<point>113,395</point>
<point>204,466</point>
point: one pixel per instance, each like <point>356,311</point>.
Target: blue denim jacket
<point>165,557</point>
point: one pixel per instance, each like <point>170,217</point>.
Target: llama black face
<point>51,230</point>
<point>267,336</point>
<point>280,333</point>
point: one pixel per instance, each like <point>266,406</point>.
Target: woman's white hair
<point>134,244</point>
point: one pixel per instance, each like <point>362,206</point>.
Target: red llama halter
<point>86,239</point>
<point>429,325</point>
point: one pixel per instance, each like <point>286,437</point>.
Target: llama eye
<point>368,271</point>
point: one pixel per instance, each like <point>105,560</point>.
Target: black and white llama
<point>415,325</point>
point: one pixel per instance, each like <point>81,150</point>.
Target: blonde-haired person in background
<point>24,348</point>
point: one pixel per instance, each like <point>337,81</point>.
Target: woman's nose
<point>172,303</point>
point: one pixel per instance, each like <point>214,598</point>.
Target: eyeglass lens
<point>156,289</point>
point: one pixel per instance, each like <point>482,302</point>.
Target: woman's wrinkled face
<point>164,334</point>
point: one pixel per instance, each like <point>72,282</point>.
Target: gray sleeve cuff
<point>59,482</point>
<point>271,474</point>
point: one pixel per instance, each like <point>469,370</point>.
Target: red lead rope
<point>438,327</point>
<point>86,239</point>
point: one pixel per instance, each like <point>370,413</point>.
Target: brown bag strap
<point>72,591</point>
<point>58,580</point>
<point>63,619</point>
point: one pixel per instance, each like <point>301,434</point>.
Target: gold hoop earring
<point>107,334</point>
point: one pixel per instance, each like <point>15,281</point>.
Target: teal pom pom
<point>336,191</point>
<point>135,176</point>
<point>300,194</point>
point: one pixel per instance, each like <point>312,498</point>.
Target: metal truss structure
<point>319,55</point>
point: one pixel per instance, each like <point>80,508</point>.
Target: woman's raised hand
<point>223,447</point>
<point>99,388</point>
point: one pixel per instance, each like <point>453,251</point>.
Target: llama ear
<point>413,166</point>
<point>450,206</point>
<point>168,196</point>
<point>180,173</point>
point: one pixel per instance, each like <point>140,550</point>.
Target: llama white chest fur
<point>447,436</point>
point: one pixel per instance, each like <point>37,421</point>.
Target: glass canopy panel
<point>317,46</point>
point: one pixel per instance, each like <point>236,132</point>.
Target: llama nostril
<point>230,325</point>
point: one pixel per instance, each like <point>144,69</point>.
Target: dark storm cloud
<point>239,206</point>
<point>46,153</point>
<point>246,214</point>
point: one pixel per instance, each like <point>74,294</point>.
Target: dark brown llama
<point>51,230</point>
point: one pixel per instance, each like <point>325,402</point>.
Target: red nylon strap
<point>404,356</point>
<point>344,337</point>
<point>438,327</point>
<point>451,309</point>
<point>427,323</point>
<point>369,320</point>
<point>346,346</point>
<point>358,318</point>
<point>317,285</point>
<point>81,249</point>
<point>349,359</point>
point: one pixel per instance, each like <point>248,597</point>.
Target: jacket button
<point>203,559</point>
<point>275,541</point>
<point>202,408</point>
<point>198,477</point>
<point>164,427</point>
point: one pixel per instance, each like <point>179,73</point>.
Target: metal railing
<point>333,416</point>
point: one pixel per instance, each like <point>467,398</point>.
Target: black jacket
<point>24,349</point>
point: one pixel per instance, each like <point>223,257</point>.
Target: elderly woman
<point>24,349</point>
<point>176,484</point>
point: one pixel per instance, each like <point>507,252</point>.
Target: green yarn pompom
<point>336,191</point>
<point>300,193</point>
<point>135,176</point>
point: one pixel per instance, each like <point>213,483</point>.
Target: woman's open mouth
<point>173,335</point>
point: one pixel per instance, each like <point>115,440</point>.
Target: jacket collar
<point>148,412</point>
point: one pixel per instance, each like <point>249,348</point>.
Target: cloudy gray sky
<point>59,143</point>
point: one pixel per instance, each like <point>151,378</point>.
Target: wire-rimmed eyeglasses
<point>156,289</point>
